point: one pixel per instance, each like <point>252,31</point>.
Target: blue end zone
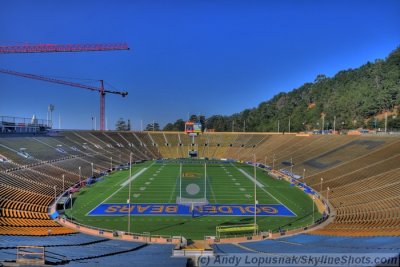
<point>173,209</point>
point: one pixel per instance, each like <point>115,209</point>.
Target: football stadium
<point>309,178</point>
<point>85,196</point>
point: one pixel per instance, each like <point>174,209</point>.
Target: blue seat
<point>305,243</point>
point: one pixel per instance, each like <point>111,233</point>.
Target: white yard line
<point>250,177</point>
<point>258,184</point>
<point>133,177</point>
<point>141,171</point>
<point>212,192</point>
<point>174,189</point>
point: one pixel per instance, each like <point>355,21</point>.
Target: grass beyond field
<point>154,182</point>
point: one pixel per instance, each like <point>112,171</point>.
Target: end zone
<point>173,209</point>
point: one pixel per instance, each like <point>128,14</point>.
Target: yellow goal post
<point>240,228</point>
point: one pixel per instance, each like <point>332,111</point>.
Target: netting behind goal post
<point>192,185</point>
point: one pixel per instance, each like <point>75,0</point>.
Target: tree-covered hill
<point>352,98</point>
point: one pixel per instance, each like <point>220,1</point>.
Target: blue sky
<point>208,57</point>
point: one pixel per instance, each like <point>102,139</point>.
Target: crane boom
<point>47,48</point>
<point>52,80</point>
<point>100,89</point>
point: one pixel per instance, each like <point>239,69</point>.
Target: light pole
<point>313,219</point>
<point>129,192</point>
<point>180,182</point>
<point>273,162</point>
<point>80,181</point>
<point>334,124</point>
<point>255,196</point>
<point>70,199</point>
<point>327,194</point>
<point>92,169</point>
<point>205,180</point>
<point>322,179</point>
<point>291,166</point>
<point>63,176</point>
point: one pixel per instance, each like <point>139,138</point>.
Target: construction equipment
<point>100,89</point>
<point>47,48</point>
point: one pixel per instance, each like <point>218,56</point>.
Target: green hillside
<point>357,97</point>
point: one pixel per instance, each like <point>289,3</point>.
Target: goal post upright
<point>180,181</point>
<point>192,184</point>
<point>255,194</point>
<point>205,180</point>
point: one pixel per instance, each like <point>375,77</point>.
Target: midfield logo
<point>192,188</point>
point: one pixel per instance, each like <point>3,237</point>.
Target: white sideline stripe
<point>133,177</point>
<point>251,178</point>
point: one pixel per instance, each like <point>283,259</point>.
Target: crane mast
<point>47,48</point>
<point>102,105</point>
<point>102,91</point>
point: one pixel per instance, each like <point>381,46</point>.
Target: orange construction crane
<point>100,89</point>
<point>47,48</point>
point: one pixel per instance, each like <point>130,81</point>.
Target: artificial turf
<point>160,183</point>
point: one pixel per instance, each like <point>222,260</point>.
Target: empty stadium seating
<point>305,243</point>
<point>361,172</point>
<point>80,249</point>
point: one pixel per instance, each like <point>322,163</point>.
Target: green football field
<point>160,182</point>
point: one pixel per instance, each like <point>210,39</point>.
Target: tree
<point>121,125</point>
<point>168,127</point>
<point>193,118</point>
<point>178,126</point>
<point>153,127</point>
<point>354,96</point>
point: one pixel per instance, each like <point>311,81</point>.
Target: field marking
<point>174,189</point>
<point>124,186</point>
<point>146,209</point>
<point>133,177</point>
<point>250,177</point>
<point>211,189</point>
<point>261,187</point>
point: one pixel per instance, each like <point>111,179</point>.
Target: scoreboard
<point>193,127</point>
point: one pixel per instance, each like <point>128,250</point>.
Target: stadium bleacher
<point>361,173</point>
<point>315,243</point>
<point>81,249</point>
